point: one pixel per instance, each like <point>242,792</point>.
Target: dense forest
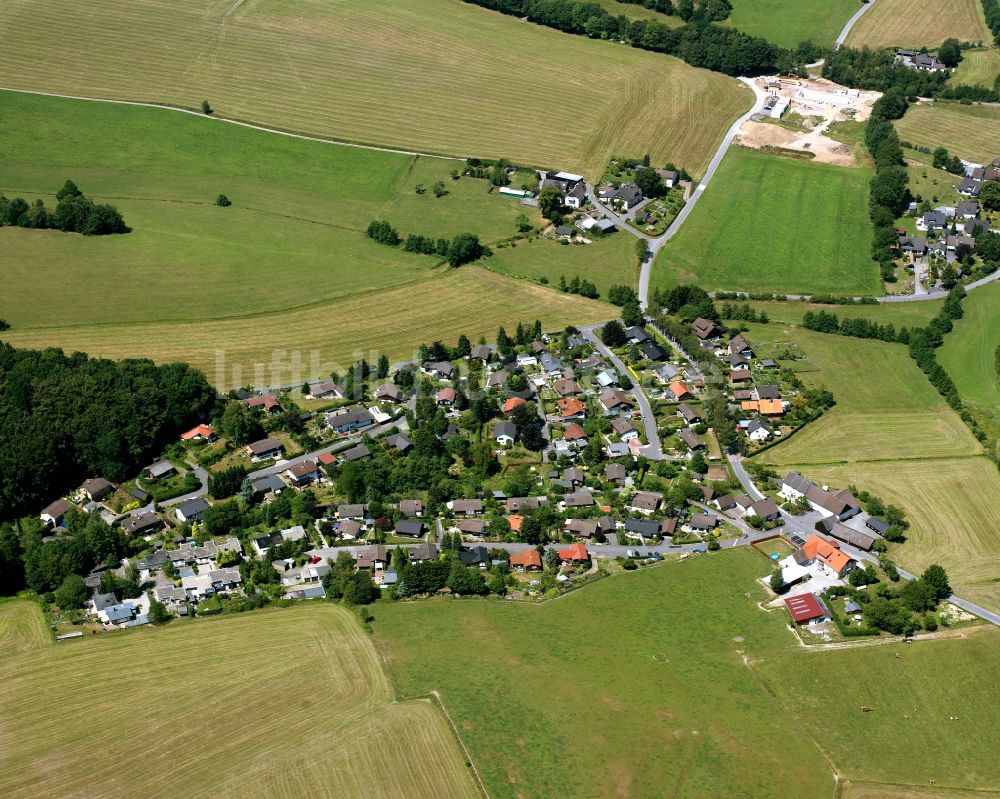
<point>66,418</point>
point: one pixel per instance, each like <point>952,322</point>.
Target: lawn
<point>436,76</point>
<point>919,23</point>
<point>978,67</point>
<point>969,355</point>
<point>970,131</point>
<point>606,262</point>
<point>285,703</point>
<point>788,22</point>
<point>287,266</point>
<point>628,687</point>
<point>908,742</point>
<point>937,186</point>
<point>768,223</point>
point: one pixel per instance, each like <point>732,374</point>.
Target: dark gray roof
<point>504,429</point>
<point>410,527</point>
<point>270,482</point>
<point>193,507</point>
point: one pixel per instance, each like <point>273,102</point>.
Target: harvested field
<point>970,131</point>
<point>289,703</point>
<point>919,23</point>
<point>435,76</point>
<point>978,67</point>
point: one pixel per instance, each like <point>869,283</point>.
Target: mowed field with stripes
<point>919,23</point>
<point>286,703</point>
<point>436,76</point>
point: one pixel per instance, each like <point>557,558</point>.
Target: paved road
<point>850,24</point>
<point>654,449</point>
<point>345,443</point>
<point>237,122</point>
<point>202,476</point>
<point>805,525</point>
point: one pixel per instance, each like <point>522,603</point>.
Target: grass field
<point>896,755</point>
<point>606,262</point>
<point>919,23</point>
<point>774,224</point>
<point>286,266</point>
<point>290,703</point>
<point>625,688</point>
<point>978,67</point>
<point>970,131</point>
<point>434,76</point>
<point>787,23</point>
<point>968,356</point>
<point>900,314</point>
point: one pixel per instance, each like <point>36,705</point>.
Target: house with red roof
<point>446,396</point>
<point>268,402</point>
<point>530,560</point>
<point>574,553</point>
<point>806,609</point>
<point>512,403</point>
<point>202,431</point>
<point>571,408</point>
<point>818,550</point>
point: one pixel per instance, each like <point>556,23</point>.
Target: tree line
<point>991,10</point>
<point>462,249</point>
<point>889,195</point>
<point>65,418</point>
<point>699,42</point>
<point>74,213</point>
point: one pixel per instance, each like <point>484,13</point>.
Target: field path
<point>239,122</point>
<point>850,23</point>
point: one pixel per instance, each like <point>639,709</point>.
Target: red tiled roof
<point>327,459</point>
<point>574,432</point>
<point>203,430</point>
<point>512,403</point>
<point>571,406</point>
<point>574,552</point>
<point>267,402</point>
<point>530,558</point>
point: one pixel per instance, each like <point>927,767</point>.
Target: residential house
<point>646,528</point>
<point>191,510</point>
<point>840,531</point>
<point>305,472</point>
<point>497,379</point>
<point>828,554</point>
<point>325,389</point>
<point>268,403</point>
<point>794,486</point>
<point>511,404</point>
<point>615,473</point>
<point>566,388</point>
<point>652,351</point>
<point>441,369</point>
<point>571,408</point>
<point>703,522</point>
<point>96,488</point>
<point>667,373</point>
<point>706,329</point>
<point>201,432</point>
<point>606,378</point>
<point>422,552</point>
<point>388,392</point>
<point>678,391</point>
<point>740,376</point>
<point>574,553</point>
<point>145,523</point>
<point>270,483</point>
<point>970,187</point>
<point>725,502</point>
<point>446,396</point>
<point>645,502</point>
<point>160,469</point>
<point>466,507</point>
<point>574,435</point>
<point>347,421</point>
<point>350,529</point>
<point>765,509</point>
<point>352,511</point>
<point>551,365</point>
<point>636,334</point>
<point>579,499</point>
<point>398,442</point>
<point>624,197</point>
<point>355,453</point>
<point>263,450</point>
<point>689,414</point>
<point>912,245</point>
<point>573,476</point>
<point>376,557</point>
<point>528,560</point>
<point>518,504</point>
<point>740,346</point>
<point>475,556</point>
<point>624,429</point>
<point>54,513</point>
<point>614,402</point>
<point>483,352</point>
<point>472,527</point>
<point>411,507</point>
<point>411,528</point>
<point>576,197</point>
<point>841,504</point>
<point>758,430</point>
<point>691,440</point>
<point>504,433</point>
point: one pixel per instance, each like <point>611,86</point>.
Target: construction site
<point>798,114</point>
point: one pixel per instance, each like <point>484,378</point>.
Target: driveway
<point>202,476</point>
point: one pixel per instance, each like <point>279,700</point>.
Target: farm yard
<point>788,23</point>
<point>906,23</point>
<point>293,702</point>
<point>969,356</point>
<point>763,212</point>
<point>279,269</point>
<point>907,748</point>
<point>978,67</point>
<point>434,76</point>
<point>970,131</point>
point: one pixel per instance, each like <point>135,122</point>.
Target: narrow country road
<point>850,23</point>
<point>202,476</point>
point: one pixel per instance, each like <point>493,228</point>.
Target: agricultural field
<point>787,23</point>
<point>970,131</point>
<point>286,703</point>
<point>287,266</point>
<point>969,356</point>
<point>435,76</point>
<point>605,262</point>
<point>900,314</point>
<point>636,11</point>
<point>768,223</point>
<point>907,748</point>
<point>915,23</point>
<point>886,408</point>
<point>545,711</point>
<point>978,67</point>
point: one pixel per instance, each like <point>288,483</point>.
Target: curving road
<point>850,23</point>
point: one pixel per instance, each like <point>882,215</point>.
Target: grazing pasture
<point>978,67</point>
<point>969,356</point>
<point>287,266</point>
<point>436,76</point>
<point>919,23</point>
<point>630,686</point>
<point>908,747</point>
<point>285,703</point>
<point>970,131</point>
<point>788,22</point>
<point>768,223</point>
